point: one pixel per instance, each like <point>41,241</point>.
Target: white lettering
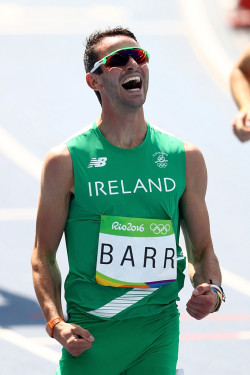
<point>100,189</point>
<point>123,190</point>
<point>90,190</point>
<point>166,186</point>
<point>112,187</point>
<point>150,182</point>
<point>139,185</point>
<point>129,227</point>
<point>116,187</point>
<point>115,225</point>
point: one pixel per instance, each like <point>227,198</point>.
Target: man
<point>240,87</point>
<point>119,190</point>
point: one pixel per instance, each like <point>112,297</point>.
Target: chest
<point>148,185</point>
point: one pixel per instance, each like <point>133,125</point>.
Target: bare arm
<point>202,261</point>
<point>240,87</point>
<point>56,190</point>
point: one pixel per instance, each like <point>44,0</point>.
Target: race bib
<point>136,253</point>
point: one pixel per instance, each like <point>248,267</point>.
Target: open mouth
<point>132,84</point>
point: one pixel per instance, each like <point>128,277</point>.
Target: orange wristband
<point>51,324</point>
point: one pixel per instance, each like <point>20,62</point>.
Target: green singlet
<point>122,238</point>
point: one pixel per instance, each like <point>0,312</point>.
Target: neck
<point>124,130</point>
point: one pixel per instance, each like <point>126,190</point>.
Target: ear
<point>94,81</point>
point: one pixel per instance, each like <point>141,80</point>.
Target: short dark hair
<point>91,53</point>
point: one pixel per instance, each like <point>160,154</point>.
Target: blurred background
<point>44,99</point>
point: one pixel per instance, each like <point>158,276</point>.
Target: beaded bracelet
<point>220,295</point>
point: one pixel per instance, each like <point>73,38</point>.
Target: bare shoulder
<point>58,167</point>
<point>193,154</point>
<point>196,172</point>
<point>58,154</point>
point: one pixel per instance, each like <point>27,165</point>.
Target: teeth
<point>136,79</point>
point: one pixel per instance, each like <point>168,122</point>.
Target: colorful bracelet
<point>220,295</point>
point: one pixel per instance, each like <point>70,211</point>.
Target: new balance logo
<point>100,162</point>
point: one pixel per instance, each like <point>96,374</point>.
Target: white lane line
<point>18,19</point>
<point>9,214</point>
<point>29,345</point>
<point>244,335</point>
<point>21,156</point>
<point>45,341</point>
<point>235,282</point>
<point>205,43</point>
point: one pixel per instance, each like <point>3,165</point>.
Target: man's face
<point>123,86</point>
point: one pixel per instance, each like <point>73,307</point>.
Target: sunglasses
<point>121,57</point>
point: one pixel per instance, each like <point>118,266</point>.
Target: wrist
<point>245,108</point>
<point>220,295</point>
<point>52,324</point>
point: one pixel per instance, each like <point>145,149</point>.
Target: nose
<point>131,64</point>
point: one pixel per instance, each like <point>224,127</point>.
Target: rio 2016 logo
<point>128,227</point>
<point>160,228</point>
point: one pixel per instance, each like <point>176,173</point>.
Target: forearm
<point>240,87</point>
<point>47,284</point>
<point>204,268</point>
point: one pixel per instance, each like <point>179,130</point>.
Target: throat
<point>124,136</point>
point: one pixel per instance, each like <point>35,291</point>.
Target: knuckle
<point>71,344</point>
<point>86,345</point>
<point>70,347</point>
<point>75,354</point>
<point>86,332</point>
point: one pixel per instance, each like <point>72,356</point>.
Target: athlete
<point>240,87</point>
<point>120,190</point>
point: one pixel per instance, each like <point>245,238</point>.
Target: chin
<point>136,102</point>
